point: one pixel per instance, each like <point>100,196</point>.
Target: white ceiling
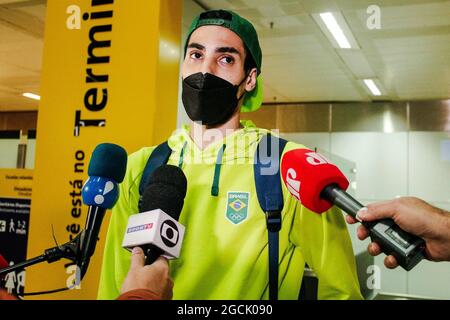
<point>409,55</point>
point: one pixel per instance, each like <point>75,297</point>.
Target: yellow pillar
<point>110,74</point>
<point>168,69</point>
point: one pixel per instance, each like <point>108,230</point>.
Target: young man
<point>225,249</point>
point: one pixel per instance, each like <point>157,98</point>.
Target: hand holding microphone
<point>155,232</point>
<point>144,282</point>
<point>412,215</point>
<point>318,184</point>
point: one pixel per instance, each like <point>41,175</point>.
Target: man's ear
<point>250,83</point>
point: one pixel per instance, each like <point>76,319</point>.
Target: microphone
<point>318,185</point>
<point>3,262</point>
<point>100,192</point>
<point>156,229</point>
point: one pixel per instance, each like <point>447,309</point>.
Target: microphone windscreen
<point>166,191</point>
<point>306,173</point>
<point>109,161</point>
<point>170,175</point>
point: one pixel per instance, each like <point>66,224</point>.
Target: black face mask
<point>210,99</point>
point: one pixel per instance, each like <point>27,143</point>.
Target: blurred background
<point>376,100</point>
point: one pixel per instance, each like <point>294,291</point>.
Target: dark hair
<point>249,62</point>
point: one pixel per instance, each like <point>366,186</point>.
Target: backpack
<point>268,189</point>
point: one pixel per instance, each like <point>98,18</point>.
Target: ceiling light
<point>372,87</point>
<point>32,96</point>
<point>334,28</point>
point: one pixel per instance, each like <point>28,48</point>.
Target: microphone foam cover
<point>170,175</point>
<point>3,262</point>
<point>166,191</point>
<point>164,197</point>
<point>306,173</point>
<point>108,161</point>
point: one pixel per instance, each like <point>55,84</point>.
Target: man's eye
<point>196,55</point>
<point>227,60</point>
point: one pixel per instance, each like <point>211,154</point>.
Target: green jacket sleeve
<point>327,249</point>
<point>116,260</point>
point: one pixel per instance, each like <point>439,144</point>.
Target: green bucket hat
<point>245,30</point>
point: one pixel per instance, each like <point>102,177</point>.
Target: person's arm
<point>139,294</point>
<point>414,216</point>
<point>151,282</point>
<point>327,249</point>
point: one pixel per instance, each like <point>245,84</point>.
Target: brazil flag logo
<point>237,206</point>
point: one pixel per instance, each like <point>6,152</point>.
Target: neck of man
<point>204,135</point>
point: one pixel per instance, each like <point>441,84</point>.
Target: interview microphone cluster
<point>156,228</point>
<point>100,192</point>
<point>318,185</point>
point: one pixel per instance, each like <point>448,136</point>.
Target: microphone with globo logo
<point>156,229</point>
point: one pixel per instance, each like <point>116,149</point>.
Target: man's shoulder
<point>136,163</point>
<point>140,156</point>
<point>290,145</point>
<point>262,132</point>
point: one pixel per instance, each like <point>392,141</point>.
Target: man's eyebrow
<point>228,50</point>
<point>196,45</point>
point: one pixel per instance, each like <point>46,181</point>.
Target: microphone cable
<point>45,292</point>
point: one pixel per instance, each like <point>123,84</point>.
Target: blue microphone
<point>100,192</point>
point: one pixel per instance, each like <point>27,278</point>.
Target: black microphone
<point>100,192</point>
<point>166,190</point>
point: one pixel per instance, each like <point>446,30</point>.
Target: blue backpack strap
<point>157,158</point>
<point>270,197</point>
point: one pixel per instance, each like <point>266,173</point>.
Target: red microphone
<point>3,294</point>
<point>306,174</point>
<point>3,264</point>
<point>318,184</point>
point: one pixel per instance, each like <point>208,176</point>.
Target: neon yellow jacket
<point>225,258</point>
